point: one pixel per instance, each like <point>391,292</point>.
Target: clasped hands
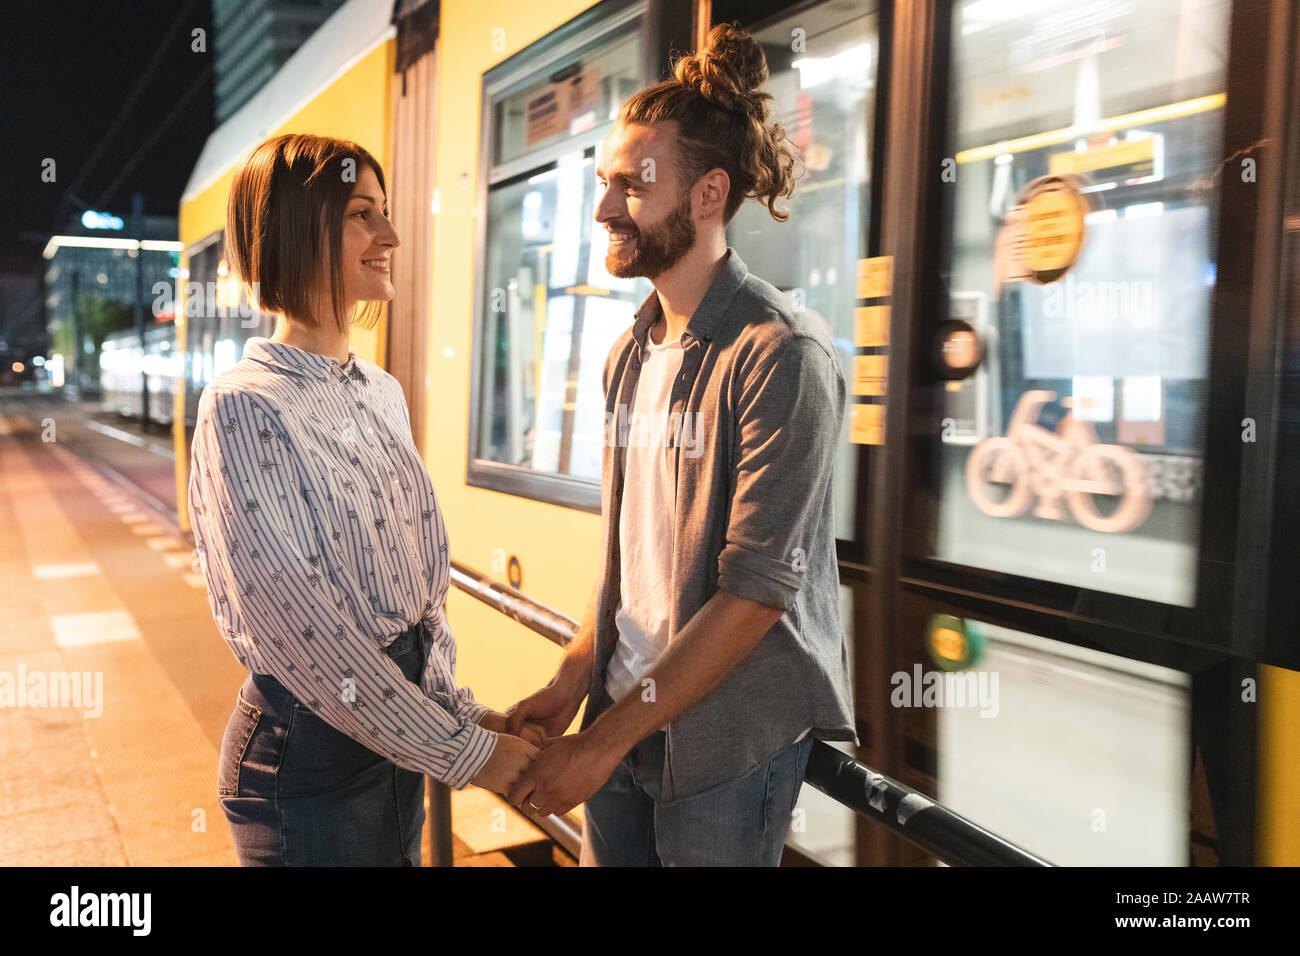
<point>534,766</point>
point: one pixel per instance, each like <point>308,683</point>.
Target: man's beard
<point>659,248</point>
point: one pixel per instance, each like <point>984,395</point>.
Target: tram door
<point>1053,546</point>
<point>1012,216</point>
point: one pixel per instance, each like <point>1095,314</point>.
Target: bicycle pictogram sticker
<point>1034,464</point>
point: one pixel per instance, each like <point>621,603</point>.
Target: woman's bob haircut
<point>286,201</point>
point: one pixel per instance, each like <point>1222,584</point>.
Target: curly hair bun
<point>715,97</point>
<point>728,71</point>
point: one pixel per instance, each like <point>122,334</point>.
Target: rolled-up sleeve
<point>788,418</point>
<point>287,611</point>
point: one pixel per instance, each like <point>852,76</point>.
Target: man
<point>711,649</point>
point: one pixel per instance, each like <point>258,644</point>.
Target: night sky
<point>69,69</point>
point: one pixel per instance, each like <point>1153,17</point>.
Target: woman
<point>322,544</point>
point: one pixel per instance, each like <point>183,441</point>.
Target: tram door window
<point>1080,755</point>
<point>1084,142</point>
<point>822,64</point>
<point>548,312</point>
<point>1080,186</point>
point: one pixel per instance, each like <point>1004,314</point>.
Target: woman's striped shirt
<point>321,540</point>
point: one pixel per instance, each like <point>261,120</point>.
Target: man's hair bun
<point>715,97</point>
<point>728,71</point>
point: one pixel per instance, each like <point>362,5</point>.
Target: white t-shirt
<point>646,523</point>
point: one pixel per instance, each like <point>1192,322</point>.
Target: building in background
<point>252,38</point>
<point>22,331</point>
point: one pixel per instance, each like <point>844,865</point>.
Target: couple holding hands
<point>710,655</point>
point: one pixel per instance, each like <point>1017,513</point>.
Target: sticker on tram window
<point>1032,466</point>
<point>870,374</point>
<point>875,277</point>
<point>1107,160</point>
<point>1043,233</point>
<point>568,104</point>
<point>871,326</point>
<point>867,424</point>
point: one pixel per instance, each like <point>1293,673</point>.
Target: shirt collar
<point>296,361</point>
<point>707,317</point>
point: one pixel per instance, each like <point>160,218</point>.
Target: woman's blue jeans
<point>297,792</point>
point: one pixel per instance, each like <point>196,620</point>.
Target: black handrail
<point>921,821</point>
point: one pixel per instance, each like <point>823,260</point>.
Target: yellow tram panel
<point>557,547</point>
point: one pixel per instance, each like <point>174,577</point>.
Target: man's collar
<point>704,322</point>
<point>296,361</point>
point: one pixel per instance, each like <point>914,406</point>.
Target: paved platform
<point>106,618</point>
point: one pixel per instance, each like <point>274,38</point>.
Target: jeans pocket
<point>234,744</point>
<point>318,758</point>
<point>785,773</point>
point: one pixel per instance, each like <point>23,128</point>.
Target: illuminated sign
<point>1129,161</point>
<point>955,643</point>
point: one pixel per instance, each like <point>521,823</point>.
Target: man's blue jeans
<point>740,823</point>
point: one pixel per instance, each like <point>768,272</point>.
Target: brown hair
<point>722,119</point>
<point>290,190</point>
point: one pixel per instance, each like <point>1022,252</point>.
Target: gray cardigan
<point>761,397</point>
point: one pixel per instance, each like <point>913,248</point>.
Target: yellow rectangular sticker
<point>870,374</point>
<point>867,424</point>
<point>871,325</point>
<point>875,277</point>
<point>1127,159</point>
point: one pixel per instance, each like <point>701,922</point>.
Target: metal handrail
<point>548,622</point>
<point>923,822</point>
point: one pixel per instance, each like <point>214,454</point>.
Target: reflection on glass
<point>584,93</point>
<point>1116,795</point>
<point>823,87</point>
<point>219,319</point>
<point>1085,141</point>
<point>551,315</point>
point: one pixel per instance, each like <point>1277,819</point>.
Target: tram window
<point>1078,754</point>
<point>822,77</point>
<point>547,312</point>
<point>218,319</point>
<point>1084,143</point>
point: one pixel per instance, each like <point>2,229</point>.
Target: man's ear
<point>714,187</point>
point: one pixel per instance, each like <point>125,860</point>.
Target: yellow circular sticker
<point>1051,228</point>
<point>948,644</point>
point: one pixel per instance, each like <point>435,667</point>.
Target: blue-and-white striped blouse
<point>321,540</point>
